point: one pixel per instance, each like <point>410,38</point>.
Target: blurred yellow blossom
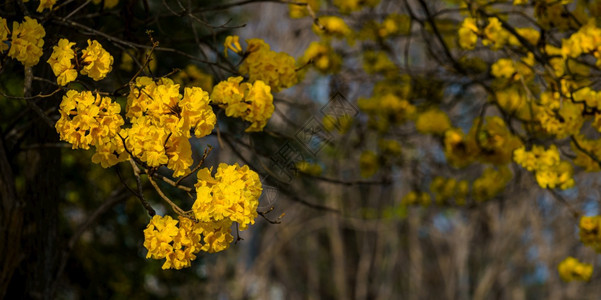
<point>571,269</point>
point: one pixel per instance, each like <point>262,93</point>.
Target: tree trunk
<point>11,217</point>
<point>38,230</point>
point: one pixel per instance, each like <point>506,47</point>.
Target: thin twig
<point>140,193</point>
<point>202,160</point>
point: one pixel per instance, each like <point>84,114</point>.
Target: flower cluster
<point>276,69</point>
<point>488,141</point>
<point>549,170</point>
<point>322,56</point>
<point>377,62</point>
<point>232,195</point>
<point>107,3</point>
<point>491,183</point>
<point>493,34</point>
<point>394,24</point>
<point>332,26</point>
<point>368,163</point>
<point>300,11</point>
<point>584,148</point>
<point>162,121</point>
<point>468,34</point>
<point>445,189</point>
<point>513,100</point>
<point>509,69</point>
<point>459,150</point>
<point>94,61</point>
<point>387,109</point>
<point>45,4</point>
<point>4,32</point>
<point>571,269</point>
<point>26,41</point>
<point>309,168</point>
<point>432,121</point>
<point>62,62</point>
<point>178,243</point>
<point>590,231</point>
<point>250,102</point>
<point>585,41</point>
<point>558,117</point>
<point>348,6</point>
<point>88,119</point>
<point>416,198</point>
<point>91,120</point>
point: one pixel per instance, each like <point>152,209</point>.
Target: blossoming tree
<point>437,111</point>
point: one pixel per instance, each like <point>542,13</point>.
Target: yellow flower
<point>468,34</point>
<point>590,229</point>
<point>147,142</point>
<point>332,26</point>
<point>107,3</point>
<point>494,140</point>
<point>45,4</point>
<point>61,62</point>
<point>196,112</point>
<point>368,164</point>
<point>341,123</point>
<point>495,34</point>
<point>4,32</point>
<point>387,109</point>
<point>110,153</point>
<point>419,198</point>
<point>252,103</point>
<point>161,103</point>
<point>158,235</point>
<point>584,160</point>
<point>433,121</point>
<point>530,34</point>
<point>232,42</point>
<point>88,120</point>
<point>550,171</point>
<point>394,24</point>
<point>491,183</point>
<point>309,168</point>
<point>377,61</point>
<point>217,236</point>
<point>299,11</point>
<point>323,57</point>
<point>348,6</point>
<point>27,42</point>
<point>278,70</point>
<point>232,195</point>
<point>390,147</point>
<point>561,118</point>
<point>459,151</point>
<point>96,61</point>
<point>179,153</point>
<point>571,269</point>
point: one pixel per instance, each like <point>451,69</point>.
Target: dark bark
<point>38,232</point>
<point>11,216</point>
